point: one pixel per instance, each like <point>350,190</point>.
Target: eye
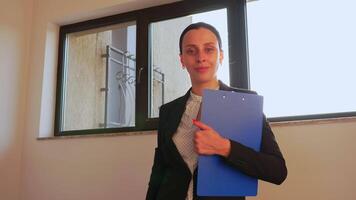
<point>210,50</point>
<point>190,51</point>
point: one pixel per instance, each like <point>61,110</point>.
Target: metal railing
<point>127,75</point>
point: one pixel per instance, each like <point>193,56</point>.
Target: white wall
<point>15,23</point>
<point>81,168</point>
<point>320,159</point>
<point>319,156</point>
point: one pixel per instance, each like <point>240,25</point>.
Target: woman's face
<point>201,55</point>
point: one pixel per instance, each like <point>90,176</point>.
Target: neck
<point>197,88</point>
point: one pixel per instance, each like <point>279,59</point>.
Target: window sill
<point>98,135</point>
<point>273,124</point>
<point>313,121</point>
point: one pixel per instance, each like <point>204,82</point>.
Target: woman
<point>181,140</point>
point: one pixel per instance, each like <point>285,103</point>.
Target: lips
<point>201,69</point>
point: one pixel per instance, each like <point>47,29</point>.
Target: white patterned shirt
<point>184,137</point>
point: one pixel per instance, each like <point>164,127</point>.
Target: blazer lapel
<point>174,117</point>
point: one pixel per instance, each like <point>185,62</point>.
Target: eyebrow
<point>210,43</point>
<point>190,45</point>
<point>205,44</point>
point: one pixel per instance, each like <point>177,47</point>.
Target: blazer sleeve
<point>159,166</point>
<point>268,164</point>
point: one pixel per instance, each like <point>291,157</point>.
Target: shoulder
<point>240,90</point>
<point>178,102</point>
<point>228,88</point>
<point>172,103</point>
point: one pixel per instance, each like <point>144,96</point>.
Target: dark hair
<point>198,26</point>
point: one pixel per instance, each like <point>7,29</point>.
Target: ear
<point>181,60</point>
<point>221,56</point>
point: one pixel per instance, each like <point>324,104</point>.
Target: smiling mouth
<point>201,69</point>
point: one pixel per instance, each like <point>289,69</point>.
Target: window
<point>301,57</point>
<point>115,72</point>
<point>99,79</point>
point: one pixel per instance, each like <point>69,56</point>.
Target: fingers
<point>203,143</point>
<point>201,125</point>
<point>204,138</point>
<point>198,143</point>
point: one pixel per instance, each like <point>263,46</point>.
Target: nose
<point>201,56</point>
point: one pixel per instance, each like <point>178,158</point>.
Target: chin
<point>204,79</point>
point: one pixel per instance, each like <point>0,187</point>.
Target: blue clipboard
<point>239,117</point>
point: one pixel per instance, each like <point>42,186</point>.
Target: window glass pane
<point>302,55</point>
<point>168,79</point>
<point>99,82</point>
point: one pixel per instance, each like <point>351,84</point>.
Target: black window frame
<point>238,65</point>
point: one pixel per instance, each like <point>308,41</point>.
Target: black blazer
<point>170,175</point>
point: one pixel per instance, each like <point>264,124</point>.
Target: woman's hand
<point>208,142</point>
